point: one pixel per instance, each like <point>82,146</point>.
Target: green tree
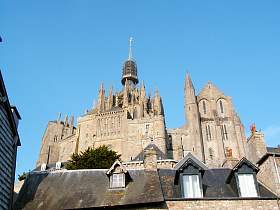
<point>100,157</point>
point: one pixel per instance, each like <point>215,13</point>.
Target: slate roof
<point>271,151</point>
<point>214,182</point>
<point>160,154</point>
<point>245,161</point>
<point>275,150</point>
<point>86,189</point>
<point>186,159</point>
<point>90,189</point>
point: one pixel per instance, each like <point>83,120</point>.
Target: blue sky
<point>55,54</point>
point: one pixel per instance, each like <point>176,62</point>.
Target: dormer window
<point>117,175</point>
<point>189,172</point>
<point>247,185</point>
<point>243,175</point>
<point>43,167</point>
<point>58,165</point>
<point>117,180</point>
<point>191,186</point>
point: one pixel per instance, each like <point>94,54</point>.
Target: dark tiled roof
<point>275,150</point>
<point>190,157</point>
<point>247,162</point>
<point>86,189</point>
<point>214,183</point>
<point>160,154</point>
<point>271,151</point>
<point>90,189</point>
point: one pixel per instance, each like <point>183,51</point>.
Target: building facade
<point>131,118</point>
<point>130,121</point>
<point>9,141</point>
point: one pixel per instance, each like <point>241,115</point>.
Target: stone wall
<point>256,147</point>
<point>224,205</point>
<point>268,174</point>
<point>208,205</point>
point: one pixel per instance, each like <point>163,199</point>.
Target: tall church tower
<point>193,120</point>
<point>222,131</point>
<point>128,121</point>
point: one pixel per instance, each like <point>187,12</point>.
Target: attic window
<point>58,165</point>
<point>191,186</point>
<point>189,173</point>
<point>117,175</point>
<point>117,180</point>
<point>43,167</point>
<point>247,185</point>
<point>245,178</point>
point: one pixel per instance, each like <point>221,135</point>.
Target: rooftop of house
<point>271,151</point>
<point>90,188</point>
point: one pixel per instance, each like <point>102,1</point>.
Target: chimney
<point>150,158</point>
<point>256,145</point>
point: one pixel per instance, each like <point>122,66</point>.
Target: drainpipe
<point>277,172</point>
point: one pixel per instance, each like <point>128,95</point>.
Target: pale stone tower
<point>128,122</point>
<point>55,132</point>
<point>193,121</point>
<point>222,131</point>
<point>213,132</point>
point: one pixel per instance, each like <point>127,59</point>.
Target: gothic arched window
<point>204,107</point>
<point>221,106</point>
<point>224,132</point>
<point>208,133</point>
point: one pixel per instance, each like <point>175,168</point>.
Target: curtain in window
<point>247,185</point>
<point>191,186</point>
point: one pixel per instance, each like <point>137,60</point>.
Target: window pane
<point>191,186</point>
<point>247,185</point>
<point>117,180</point>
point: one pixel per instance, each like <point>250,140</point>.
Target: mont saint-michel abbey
<point>129,121</point>
<point>207,163</point>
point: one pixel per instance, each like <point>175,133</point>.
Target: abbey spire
<point>130,68</point>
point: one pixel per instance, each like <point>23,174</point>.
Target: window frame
<point>204,107</point>
<point>208,132</point>
<point>246,170</point>
<point>189,171</point>
<point>224,132</point>
<point>112,181</point>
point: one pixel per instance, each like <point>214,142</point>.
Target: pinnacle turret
<point>101,98</point>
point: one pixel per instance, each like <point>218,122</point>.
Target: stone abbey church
<point>130,120</point>
<point>208,163</point>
